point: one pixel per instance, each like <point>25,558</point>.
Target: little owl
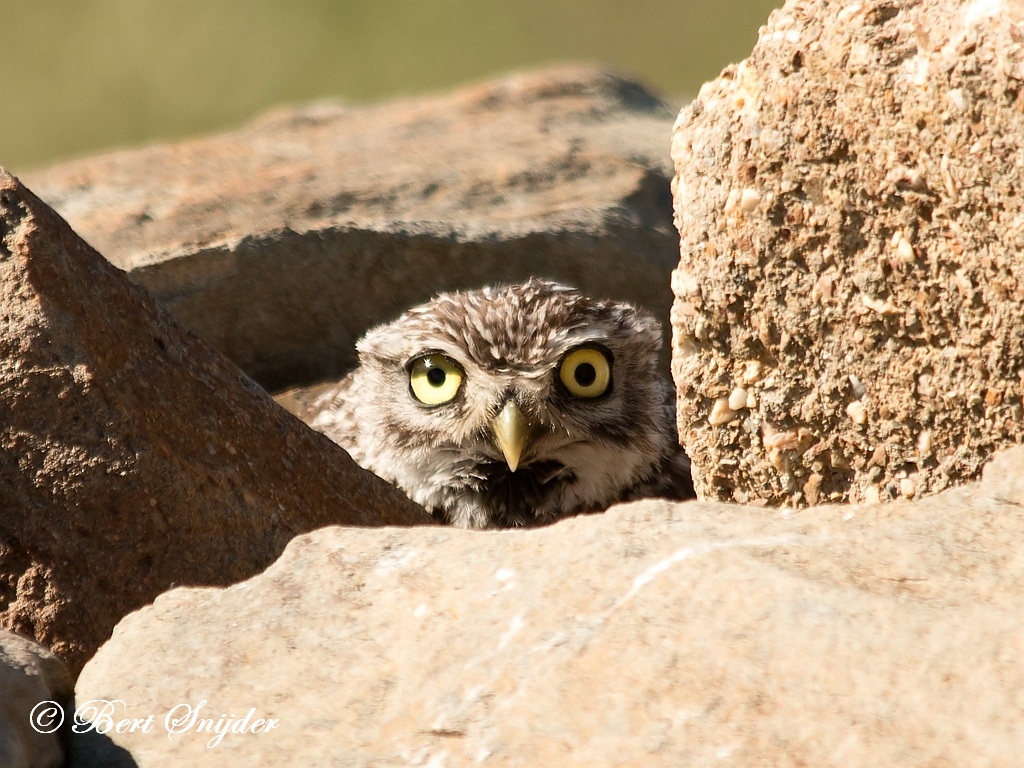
<point>513,405</point>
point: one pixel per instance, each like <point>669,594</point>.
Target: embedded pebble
<point>721,413</point>
<point>749,200</point>
<point>732,201</point>
<point>956,98</point>
<point>905,251</point>
<point>738,399</point>
<point>857,412</point>
<point>859,390</point>
<point>751,373</point>
<point>924,444</point>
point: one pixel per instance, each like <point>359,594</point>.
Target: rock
<point>852,253</point>
<point>134,457</point>
<point>654,634</point>
<point>37,690</point>
<point>283,242</point>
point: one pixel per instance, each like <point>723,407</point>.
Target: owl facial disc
<point>511,432</point>
<point>512,406</point>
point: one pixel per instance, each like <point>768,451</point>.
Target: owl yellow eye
<point>586,372</point>
<point>435,379</point>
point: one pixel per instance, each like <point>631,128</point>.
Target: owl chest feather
<point>476,490</point>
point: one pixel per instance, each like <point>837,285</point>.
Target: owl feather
<point>512,406</point>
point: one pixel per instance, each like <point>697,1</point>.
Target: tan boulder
<point>655,634</point>
<point>849,311</point>
<point>134,457</point>
<point>281,243</point>
<point>36,690</point>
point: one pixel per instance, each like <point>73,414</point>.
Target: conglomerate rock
<point>849,311</point>
<point>283,242</point>
<point>133,456</point>
<point>655,634</point>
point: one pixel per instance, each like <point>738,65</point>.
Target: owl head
<point>512,405</point>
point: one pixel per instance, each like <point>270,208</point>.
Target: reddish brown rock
<point>655,634</point>
<point>283,242</point>
<point>133,457</point>
<point>849,312</point>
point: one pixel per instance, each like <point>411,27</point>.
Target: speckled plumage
<point>582,455</point>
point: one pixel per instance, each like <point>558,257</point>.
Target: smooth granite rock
<point>655,634</point>
<point>281,243</point>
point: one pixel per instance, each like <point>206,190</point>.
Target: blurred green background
<point>86,75</point>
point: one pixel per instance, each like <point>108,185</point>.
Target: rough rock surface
<point>849,312</point>
<point>29,676</point>
<point>283,242</point>
<point>654,634</point>
<point>133,456</point>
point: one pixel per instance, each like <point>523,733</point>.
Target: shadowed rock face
<point>30,676</point>
<point>655,634</point>
<point>283,242</point>
<point>134,457</point>
<point>849,312</point>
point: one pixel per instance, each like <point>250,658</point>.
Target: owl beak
<point>511,431</point>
